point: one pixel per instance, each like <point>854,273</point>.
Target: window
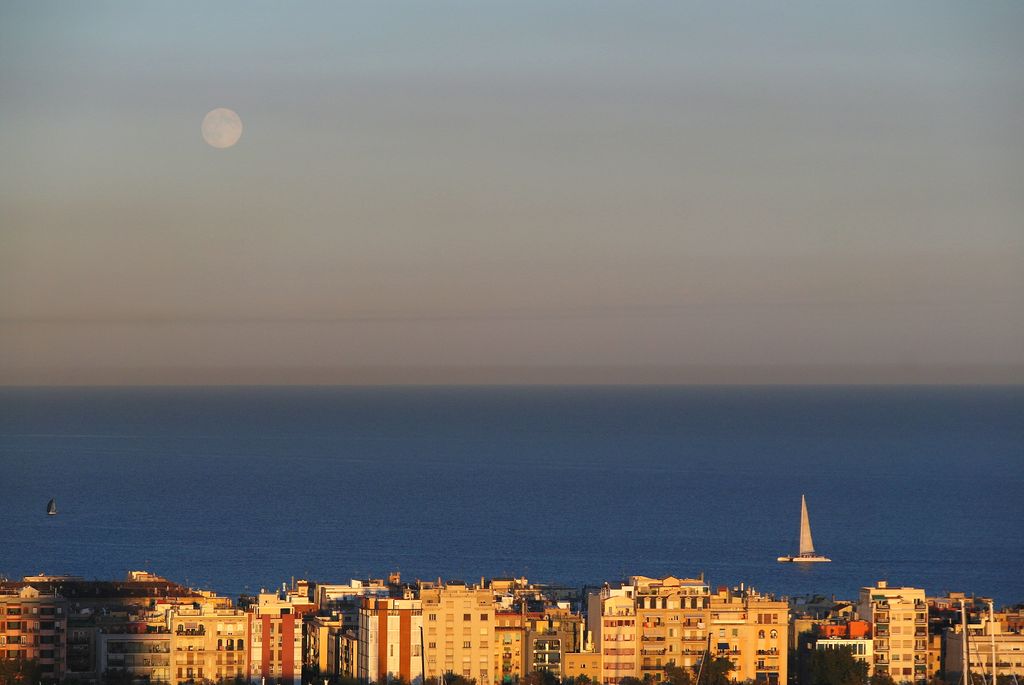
<point>432,645</point>
<point>467,644</point>
<point>431,617</point>
<point>483,617</point>
<point>467,617</point>
<point>774,634</point>
<point>760,634</point>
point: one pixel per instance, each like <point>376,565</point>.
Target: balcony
<point>653,638</point>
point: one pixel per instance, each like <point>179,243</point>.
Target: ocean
<point>239,488</point>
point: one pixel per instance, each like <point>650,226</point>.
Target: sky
<point>527,192</point>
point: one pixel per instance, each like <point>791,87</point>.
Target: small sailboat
<point>51,507</point>
<point>807,553</point>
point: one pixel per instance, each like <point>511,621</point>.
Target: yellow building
<point>671,615</point>
<point>751,630</point>
<point>459,630</point>
<point>509,642</point>
<point>319,631</point>
<point>208,643</point>
<point>582,664</point>
<point>899,619</point>
<point>649,623</point>
<point>611,615</point>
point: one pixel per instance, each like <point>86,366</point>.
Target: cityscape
<point>454,342</point>
<point>144,628</point>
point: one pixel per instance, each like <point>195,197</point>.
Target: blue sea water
<point>238,488</point>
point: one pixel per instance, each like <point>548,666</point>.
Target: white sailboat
<point>807,553</point>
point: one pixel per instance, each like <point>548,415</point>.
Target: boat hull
<point>804,560</point>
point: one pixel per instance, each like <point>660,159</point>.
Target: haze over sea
<point>236,488</point>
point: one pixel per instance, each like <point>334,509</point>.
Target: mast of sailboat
<point>704,658</point>
<point>964,651</point>
<point>992,637</point>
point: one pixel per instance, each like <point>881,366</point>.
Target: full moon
<point>222,127</point>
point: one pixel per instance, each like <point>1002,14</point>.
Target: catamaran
<point>807,554</point>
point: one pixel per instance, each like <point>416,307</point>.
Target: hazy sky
<point>527,191</point>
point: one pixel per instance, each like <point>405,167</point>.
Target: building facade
<point>33,626</point>
<point>899,620</point>
<point>459,630</point>
<point>390,640</point>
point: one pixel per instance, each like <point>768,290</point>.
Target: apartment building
<point>209,643</point>
<point>459,630</point>
<point>390,635</point>
<point>988,648</point>
<point>751,630</point>
<point>320,632</point>
<point>143,656</point>
<point>275,641</point>
<point>899,618</point>
<point>582,664</point>
<point>611,618</point>
<point>549,637</point>
<point>509,642</point>
<point>671,619</point>
<point>346,599</point>
<point>33,625</point>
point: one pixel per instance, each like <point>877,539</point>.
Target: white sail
<point>806,543</point>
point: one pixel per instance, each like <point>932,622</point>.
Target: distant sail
<point>807,553</point>
<point>51,508</point>
<point>806,543</point>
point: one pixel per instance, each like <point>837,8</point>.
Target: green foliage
<point>15,671</point>
<point>836,667</point>
<point>541,678</point>
<point>630,680</point>
<point>715,672</point>
<point>676,675</point>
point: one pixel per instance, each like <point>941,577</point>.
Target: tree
<point>630,680</point>
<point>836,667</point>
<point>677,675</point>
<point>116,676</point>
<point>15,671</point>
<point>541,677</point>
<point>715,672</point>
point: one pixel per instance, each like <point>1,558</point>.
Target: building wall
<point>671,621</point>
<point>459,624</point>
<point>275,639</point>
<point>751,631</point>
<point>1009,651</point>
<point>389,640</point>
<point>899,619</point>
<point>509,646</point>
<point>34,626</point>
<point>209,643</point>
<point>579,664</point>
<point>619,642</point>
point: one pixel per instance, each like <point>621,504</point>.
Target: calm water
<point>237,488</point>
